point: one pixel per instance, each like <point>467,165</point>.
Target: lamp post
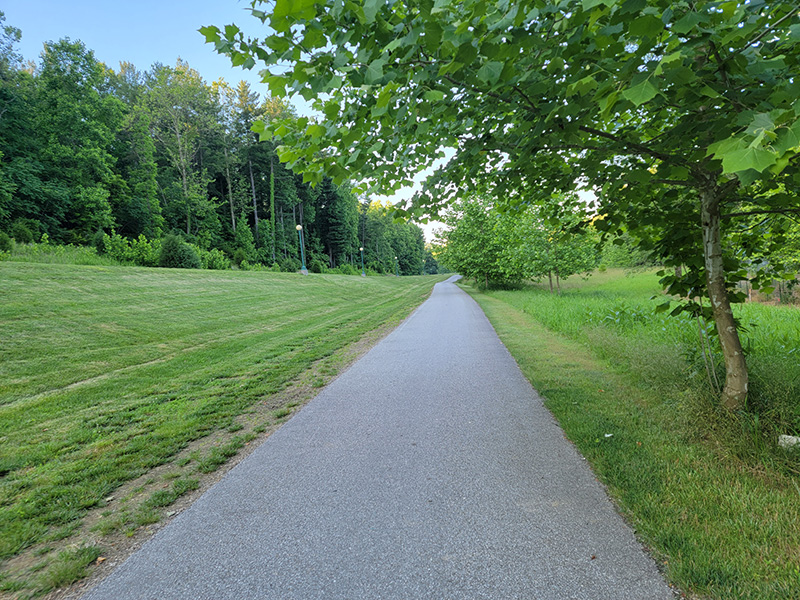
<point>363,272</point>
<point>396,267</point>
<point>303,269</point>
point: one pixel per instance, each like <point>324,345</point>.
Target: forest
<point>158,167</point>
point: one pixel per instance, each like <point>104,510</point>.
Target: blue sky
<point>138,31</point>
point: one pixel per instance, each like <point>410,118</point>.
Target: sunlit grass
<point>107,372</point>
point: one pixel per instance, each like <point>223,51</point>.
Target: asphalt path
<point>429,469</point>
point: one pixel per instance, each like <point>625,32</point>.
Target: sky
<point>141,32</point>
<point>144,32</point>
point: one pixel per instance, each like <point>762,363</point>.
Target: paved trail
<point>430,469</point>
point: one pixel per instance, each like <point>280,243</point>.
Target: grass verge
<point>721,524</point>
<point>121,386</point>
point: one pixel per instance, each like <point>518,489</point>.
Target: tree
<point>473,245</point>
<point>182,111</point>
<point>673,111</point>
<point>76,121</point>
<point>554,241</point>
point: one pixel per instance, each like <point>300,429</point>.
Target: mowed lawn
<point>107,372</point>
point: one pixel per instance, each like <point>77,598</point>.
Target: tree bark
<point>734,394</point>
<point>272,204</point>
<point>230,189</point>
<point>255,205</point>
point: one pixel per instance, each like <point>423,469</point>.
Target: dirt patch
<point>119,526</point>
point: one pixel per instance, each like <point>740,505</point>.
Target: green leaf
<point>297,9</point>
<point>747,158</point>
<point>788,139</point>
<point>374,71</point>
<point>371,9</point>
<point>641,93</point>
<point>710,92</point>
<point>434,96</point>
<point>582,86</point>
<point>439,6</point>
<point>490,72</point>
<point>663,307</point>
<point>646,26</point>
<point>277,85</point>
<point>211,34</point>
<point>590,4</point>
<point>721,148</point>
<point>315,131</point>
<point>687,23</point>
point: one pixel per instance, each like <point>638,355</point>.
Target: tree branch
<point>769,29</point>
<point>777,211</point>
<point>641,148</point>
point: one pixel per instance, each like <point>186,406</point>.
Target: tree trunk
<point>253,188</point>
<point>734,393</point>
<point>230,189</point>
<point>272,204</point>
<point>550,277</point>
<point>283,235</point>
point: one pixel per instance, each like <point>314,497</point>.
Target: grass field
<point>109,372</point>
<point>710,493</point>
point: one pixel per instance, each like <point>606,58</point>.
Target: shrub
<point>239,257</point>
<point>145,252</point>
<point>97,241</point>
<point>177,254</point>
<point>6,245</point>
<point>117,247</point>
<point>21,232</point>
<point>216,260</point>
<point>289,264</point>
<point>316,266</point>
<point>348,269</point>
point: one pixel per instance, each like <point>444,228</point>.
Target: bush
<point>216,260</point>
<point>316,266</point>
<point>239,257</point>
<point>97,241</point>
<point>21,232</point>
<point>289,265</point>
<point>144,252</point>
<point>348,269</point>
<point>6,245</point>
<point>117,247</point>
<point>177,254</point>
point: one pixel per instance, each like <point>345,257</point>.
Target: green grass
<point>58,254</point>
<point>717,502</point>
<point>107,372</point>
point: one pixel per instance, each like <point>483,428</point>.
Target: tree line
<point>90,155</point>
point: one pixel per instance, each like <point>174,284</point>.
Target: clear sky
<point>143,32</point>
<point>139,31</point>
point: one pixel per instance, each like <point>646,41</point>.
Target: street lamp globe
<point>299,227</point>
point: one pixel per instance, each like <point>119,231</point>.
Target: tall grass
<point>614,314</point>
<point>56,254</point>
